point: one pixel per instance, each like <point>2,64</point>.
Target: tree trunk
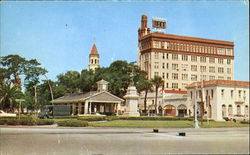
<point>156,94</point>
<point>145,101</point>
<point>35,96</point>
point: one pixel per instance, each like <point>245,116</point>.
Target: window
<point>222,92</point>
<point>230,110</point>
<point>220,70</point>
<point>220,77</point>
<point>193,58</point>
<point>167,56</point>
<point>174,85</point>
<point>163,55</point>
<point>163,65</point>
<point>224,110</point>
<point>212,69</point>
<point>212,93</point>
<point>184,76</point>
<point>220,60</point>
<point>202,59</point>
<point>163,75</point>
<point>156,73</point>
<point>229,78</point>
<point>167,75</point>
<point>175,76</point>
<point>167,66</point>
<point>184,57</point>
<point>156,44</point>
<point>203,77</point>
<point>232,93</point>
<point>184,85</point>
<point>246,111</point>
<point>211,77</point>
<point>166,85</point>
<point>238,110</point>
<point>228,61</point>
<point>203,68</point>
<point>184,67</point>
<point>174,56</point>
<point>228,70</point>
<point>211,60</point>
<point>239,93</point>
<point>156,55</point>
<point>193,77</point>
<point>174,66</point>
<point>156,65</point>
<point>193,67</point>
<point>191,94</point>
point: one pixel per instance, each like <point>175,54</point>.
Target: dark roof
<point>93,96</point>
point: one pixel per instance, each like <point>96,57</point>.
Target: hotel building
<point>181,60</point>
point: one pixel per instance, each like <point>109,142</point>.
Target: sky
<point>60,34</point>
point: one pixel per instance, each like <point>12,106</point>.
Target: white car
<point>4,114</point>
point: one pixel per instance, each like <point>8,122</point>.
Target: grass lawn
<point>162,124</point>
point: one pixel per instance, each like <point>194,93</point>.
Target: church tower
<point>93,58</point>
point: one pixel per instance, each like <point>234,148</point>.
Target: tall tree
<point>157,81</point>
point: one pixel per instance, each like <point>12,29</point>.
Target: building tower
<point>143,30</point>
<point>93,58</point>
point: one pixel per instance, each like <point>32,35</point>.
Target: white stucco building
<point>221,98</point>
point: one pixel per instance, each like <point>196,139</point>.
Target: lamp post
<point>196,123</point>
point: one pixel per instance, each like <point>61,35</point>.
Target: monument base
<point>131,114</point>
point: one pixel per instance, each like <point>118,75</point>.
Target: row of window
<point>193,77</point>
<point>230,110</point>
<point>190,48</point>
<point>185,67</point>
<point>193,58</point>
<point>240,93</point>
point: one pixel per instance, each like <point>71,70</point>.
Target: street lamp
<point>196,123</point>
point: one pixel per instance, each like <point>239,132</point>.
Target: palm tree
<point>8,94</point>
<point>157,81</point>
<point>145,85</point>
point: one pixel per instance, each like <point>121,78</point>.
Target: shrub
<point>245,122</point>
<point>73,123</point>
<point>44,122</point>
<point>92,118</point>
<point>66,117</point>
<point>12,122</point>
<point>27,121</point>
<point>3,121</point>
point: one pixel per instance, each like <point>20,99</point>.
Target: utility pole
<point>50,88</point>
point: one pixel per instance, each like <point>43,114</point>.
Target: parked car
<point>4,114</point>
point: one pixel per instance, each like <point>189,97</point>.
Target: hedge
<point>245,122</point>
<point>25,121</point>
<point>92,118</point>
<point>73,123</point>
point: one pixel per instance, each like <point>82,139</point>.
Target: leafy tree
<point>87,82</point>
<point>157,81</point>
<point>71,80</point>
<point>8,94</point>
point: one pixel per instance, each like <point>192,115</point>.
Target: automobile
<point>237,118</point>
<point>93,114</point>
<point>4,114</point>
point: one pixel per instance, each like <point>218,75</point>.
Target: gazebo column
<point>86,107</point>
<point>73,108</point>
<point>90,107</point>
<point>79,108</point>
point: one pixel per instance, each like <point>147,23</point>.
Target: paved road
<point>122,141</point>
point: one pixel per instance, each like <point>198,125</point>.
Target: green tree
<point>157,81</point>
<point>71,80</point>
<point>8,94</point>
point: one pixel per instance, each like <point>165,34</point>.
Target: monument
<point>131,102</point>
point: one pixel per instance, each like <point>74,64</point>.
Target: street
<point>122,141</point>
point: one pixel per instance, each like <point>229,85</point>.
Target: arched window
<point>230,110</point>
<point>224,110</point>
<point>246,111</point>
<point>238,110</point>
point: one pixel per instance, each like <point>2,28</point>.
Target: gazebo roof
<point>92,96</point>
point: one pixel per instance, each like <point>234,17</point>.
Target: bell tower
<point>143,30</point>
<point>94,59</point>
